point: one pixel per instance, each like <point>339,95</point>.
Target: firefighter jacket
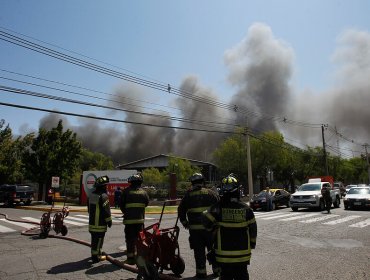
<point>133,203</point>
<point>236,231</point>
<point>193,204</point>
<point>99,212</point>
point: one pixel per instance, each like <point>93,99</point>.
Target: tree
<point>152,176</point>
<point>94,161</point>
<point>11,153</point>
<point>181,167</point>
<point>52,153</point>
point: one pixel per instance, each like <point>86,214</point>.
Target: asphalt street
<point>291,245</point>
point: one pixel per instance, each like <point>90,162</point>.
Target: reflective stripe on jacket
<point>133,203</point>
<point>99,212</point>
<point>236,230</point>
<point>193,204</point>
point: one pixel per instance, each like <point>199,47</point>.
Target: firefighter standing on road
<point>133,202</point>
<point>325,191</point>
<point>99,217</point>
<point>195,201</point>
<point>236,231</point>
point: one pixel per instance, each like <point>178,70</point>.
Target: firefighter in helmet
<point>195,201</point>
<point>236,231</point>
<point>133,202</point>
<point>99,217</point>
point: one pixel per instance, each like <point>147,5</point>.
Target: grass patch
<point>158,209</point>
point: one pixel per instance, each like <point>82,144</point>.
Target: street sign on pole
<point>55,182</point>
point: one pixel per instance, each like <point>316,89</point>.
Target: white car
<point>357,197</point>
<point>309,196</point>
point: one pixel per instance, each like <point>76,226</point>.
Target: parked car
<point>10,194</point>
<point>340,186</point>
<point>348,187</point>
<point>279,197</point>
<point>357,197</point>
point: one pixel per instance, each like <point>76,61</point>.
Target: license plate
<point>356,203</point>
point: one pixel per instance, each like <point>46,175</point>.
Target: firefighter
<point>99,217</point>
<point>195,201</point>
<point>325,191</point>
<point>133,202</point>
<point>235,228</point>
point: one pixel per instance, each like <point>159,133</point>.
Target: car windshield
<point>263,193</point>
<point>359,191</point>
<point>24,188</point>
<point>310,187</point>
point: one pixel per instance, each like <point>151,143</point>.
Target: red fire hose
<point>112,260</point>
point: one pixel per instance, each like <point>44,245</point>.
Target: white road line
<point>23,225</point>
<point>83,216</point>
<point>343,220</point>
<point>269,214</point>
<point>73,223</point>
<point>86,220</point>
<point>361,224</point>
<point>319,219</point>
<point>31,219</point>
<point>6,229</point>
<point>299,217</point>
<point>280,216</point>
<point>78,219</point>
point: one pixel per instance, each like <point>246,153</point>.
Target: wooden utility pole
<point>249,164</point>
<point>367,161</point>
<point>324,150</point>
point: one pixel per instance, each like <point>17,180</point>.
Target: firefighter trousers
<point>97,240</point>
<point>234,272</point>
<point>131,235</point>
<point>200,240</point>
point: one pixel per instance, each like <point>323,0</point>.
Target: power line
<point>5,36</point>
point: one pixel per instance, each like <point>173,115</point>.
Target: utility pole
<point>249,164</point>
<point>324,149</point>
<point>367,161</point>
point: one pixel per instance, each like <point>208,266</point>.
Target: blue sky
<point>166,41</point>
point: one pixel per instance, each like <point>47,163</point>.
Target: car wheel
<point>27,203</point>
<point>295,209</point>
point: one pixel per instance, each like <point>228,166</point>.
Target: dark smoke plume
<point>261,69</point>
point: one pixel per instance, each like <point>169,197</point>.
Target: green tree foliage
<point>11,153</point>
<point>152,177</point>
<point>181,167</point>
<point>52,153</point>
<point>94,161</point>
<point>290,166</point>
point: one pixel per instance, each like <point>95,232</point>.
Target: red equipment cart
<point>57,223</point>
<point>158,249</point>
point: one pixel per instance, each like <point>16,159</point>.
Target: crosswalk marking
<point>302,217</point>
<point>279,216</point>
<point>32,219</point>
<point>343,220</point>
<point>361,224</point>
<point>6,229</point>
<point>299,217</point>
<point>23,225</point>
<point>327,217</point>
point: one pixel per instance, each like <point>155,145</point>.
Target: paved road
<point>291,245</point>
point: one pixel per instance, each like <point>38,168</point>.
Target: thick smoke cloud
<point>260,69</point>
